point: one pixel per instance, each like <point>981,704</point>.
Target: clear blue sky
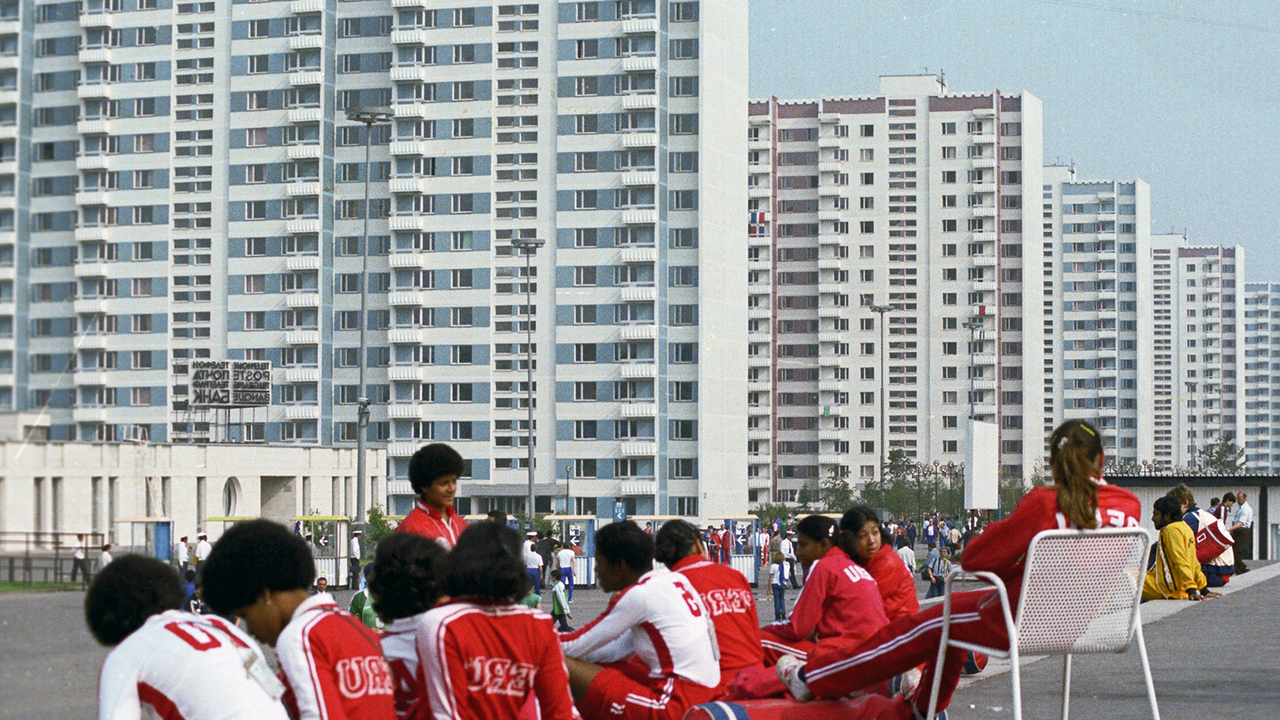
<point>1183,94</point>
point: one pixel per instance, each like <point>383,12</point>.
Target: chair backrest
<point>1080,590</point>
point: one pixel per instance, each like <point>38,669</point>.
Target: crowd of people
<point>1197,549</point>
<point>441,630</point>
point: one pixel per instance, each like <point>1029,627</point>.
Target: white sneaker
<point>907,683</point>
<point>788,669</point>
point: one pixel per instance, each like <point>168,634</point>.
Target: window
<point>255,174</point>
<point>949,152</point>
<point>684,87</point>
<point>584,391</point>
<point>255,210</point>
<point>683,353</point>
<point>684,49</point>
<point>584,430</point>
<point>259,64</point>
<point>255,137</point>
<point>255,247</point>
<point>587,49</point>
<point>462,317</point>
<point>584,352</point>
<point>684,124</point>
<point>259,28</point>
<point>255,284</point>
<point>464,128</point>
<point>141,323</point>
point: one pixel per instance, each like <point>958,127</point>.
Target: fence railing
<point>47,556</point>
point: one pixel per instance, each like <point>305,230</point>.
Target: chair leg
<point>1066,685</point>
<point>1015,672</point>
<point>1146,671</point>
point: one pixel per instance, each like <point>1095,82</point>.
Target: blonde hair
<point>777,557</point>
<point>1075,449</point>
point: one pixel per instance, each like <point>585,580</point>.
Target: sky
<point>1184,95</point>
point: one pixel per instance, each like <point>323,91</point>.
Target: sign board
<point>982,469</point>
<point>230,383</point>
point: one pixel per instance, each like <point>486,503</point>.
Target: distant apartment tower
<point>183,183</point>
<point>896,281</point>
<point>1102,361</point>
<point>1198,301</point>
<point>1261,341</point>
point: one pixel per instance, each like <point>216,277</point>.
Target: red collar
<point>448,514</point>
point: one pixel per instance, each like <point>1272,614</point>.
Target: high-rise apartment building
<point>1261,341</point>
<point>1198,299</point>
<point>179,181</point>
<point>896,281</point>
<point>1102,362</point>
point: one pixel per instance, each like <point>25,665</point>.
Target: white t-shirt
<point>355,548</point>
<point>183,665</point>
<point>203,548</point>
<point>565,557</point>
<point>104,559</point>
<point>184,554</point>
<point>908,557</point>
<point>532,560</point>
<point>787,550</point>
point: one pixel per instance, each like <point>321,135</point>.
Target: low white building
<point>107,487</point>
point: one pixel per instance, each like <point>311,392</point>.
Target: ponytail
<point>1073,457</point>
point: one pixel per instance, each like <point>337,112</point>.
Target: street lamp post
<point>527,247</point>
<point>973,325</point>
<point>881,310</point>
<point>369,117</point>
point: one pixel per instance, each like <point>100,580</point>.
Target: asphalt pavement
<point>1219,658</point>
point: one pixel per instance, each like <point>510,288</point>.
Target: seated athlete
<point>652,654</point>
<point>132,606</point>
<point>839,598</point>
<point>405,584</point>
<point>1214,543</point>
<point>1176,574</point>
<point>332,664</point>
<point>1079,498</point>
<point>862,538</point>
<point>483,654</point>
<point>433,475</point>
<point>724,591</point>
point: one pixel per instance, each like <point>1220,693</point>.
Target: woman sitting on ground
<point>862,537</point>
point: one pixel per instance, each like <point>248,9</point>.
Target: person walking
<point>1242,532</point>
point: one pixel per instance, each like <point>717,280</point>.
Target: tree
<point>836,495</point>
<point>376,527</point>
<point>1221,458</point>
<point>1012,490</point>
<point>768,512</point>
<point>900,491</point>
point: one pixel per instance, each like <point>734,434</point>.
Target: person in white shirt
<point>908,557</point>
<point>789,554</point>
<point>655,618</point>
<point>1242,532</point>
<point>203,548</point>
<point>564,559</point>
<point>533,563</point>
<point>167,663</point>
<point>105,558</point>
<point>354,577</point>
<point>184,554</point>
<point>80,561</point>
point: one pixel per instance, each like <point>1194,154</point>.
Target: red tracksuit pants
<point>836,669</point>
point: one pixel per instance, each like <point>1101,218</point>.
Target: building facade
<point>896,282</point>
<point>179,181</point>
<point>1261,386</point>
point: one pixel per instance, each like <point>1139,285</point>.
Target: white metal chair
<point>1080,594</point>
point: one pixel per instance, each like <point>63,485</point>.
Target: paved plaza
<point>1211,659</point>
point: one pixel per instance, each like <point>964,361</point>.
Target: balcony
<point>635,487</point>
<point>303,226</point>
<point>410,373</point>
<point>984,162</point>
<point>759,191</point>
<point>407,336</point>
<point>828,166</point>
<point>639,139</point>
<point>405,411</point>
<point>305,42</point>
<point>93,127</point>
<point>412,109</point>
<point>639,449</point>
<point>639,332</point>
<point>403,449</point>
<point>302,337</point>
<point>91,376</point>
<point>92,197</point>
<point>408,222</point>
<point>642,177</point>
<point>639,217</point>
<point>93,341</point>
<point>640,26</point>
<point>92,269</point>
<point>639,370</point>
<point>984,260</point>
<point>296,300</point>
<point>983,211</point>
<point>100,19</point>
<point>83,414</point>
<point>305,115</point>
<point>413,298</point>
<point>408,147</point>
<point>640,102</point>
<point>409,260</point>
<point>829,336</point>
<point>640,63</point>
<point>93,90</point>
<point>302,262</point>
<point>95,55</point>
<point>302,188</point>
<point>91,233</point>
<point>759,312</point>
<point>306,77</point>
<point>301,374</point>
<point>87,306</point>
<point>407,185</point>
<point>639,294</point>
<point>302,412</point>
<point>640,255</point>
<point>302,7</point>
<point>831,263</point>
<point>303,151</point>
<point>91,162</point>
<point>638,409</point>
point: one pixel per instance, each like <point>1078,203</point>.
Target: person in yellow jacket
<point>1176,574</point>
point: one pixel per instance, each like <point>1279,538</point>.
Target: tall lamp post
<point>369,117</point>
<point>527,247</point>
<point>881,310</point>
<point>973,325</point>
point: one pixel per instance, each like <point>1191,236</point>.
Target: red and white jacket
<point>1213,540</point>
<point>492,660</point>
<point>839,597</point>
<point>400,645</point>
<point>728,597</point>
<point>660,620</point>
<point>179,665</point>
<point>426,521</point>
<point>333,665</point>
<point>896,584</point>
